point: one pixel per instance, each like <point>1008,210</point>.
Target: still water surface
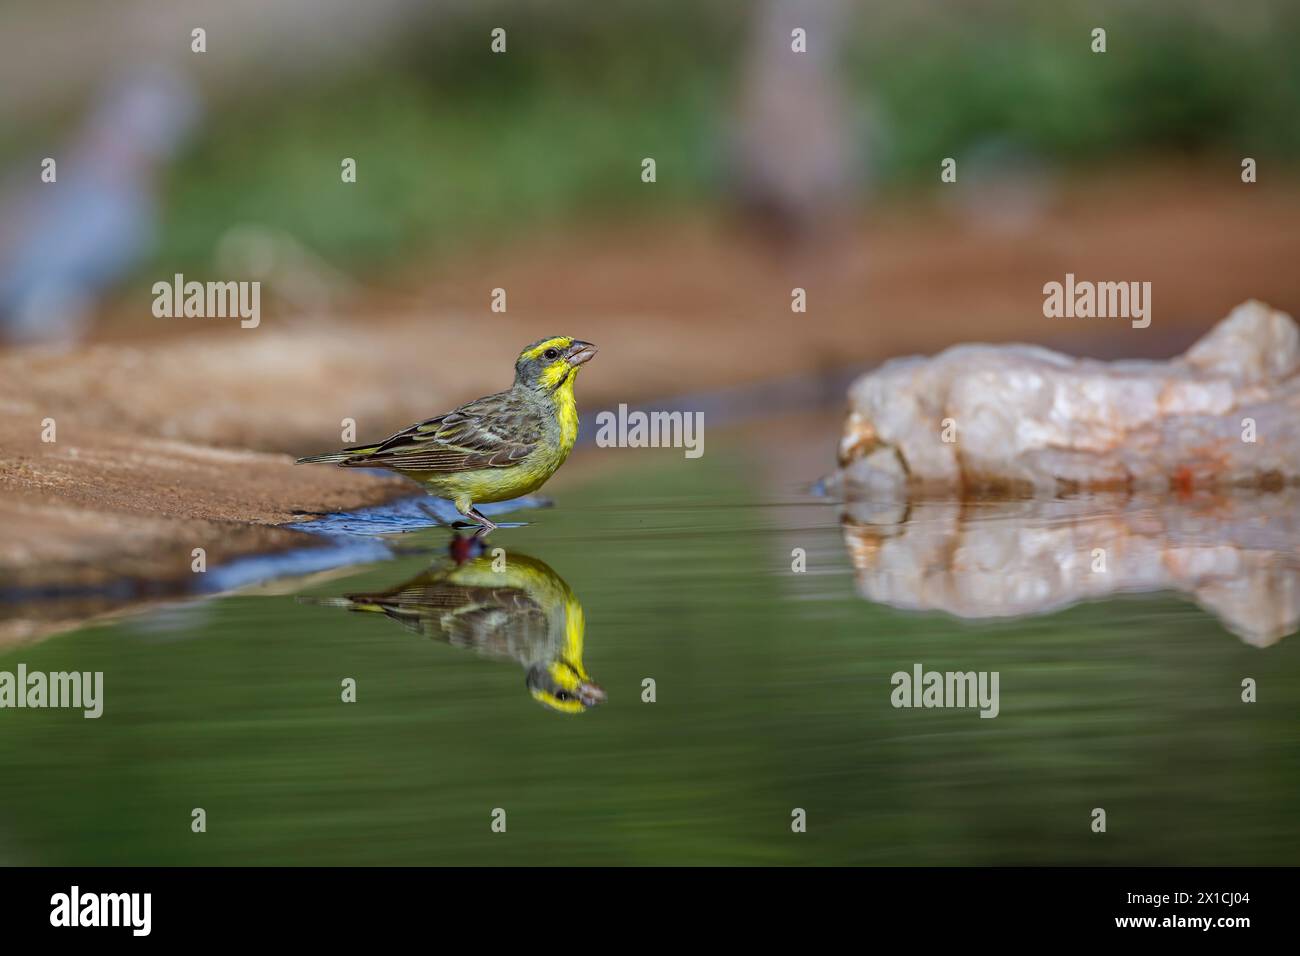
<point>772,692</point>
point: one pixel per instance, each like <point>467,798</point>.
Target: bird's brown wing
<point>494,621</point>
<point>491,432</point>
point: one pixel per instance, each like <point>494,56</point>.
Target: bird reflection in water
<point>511,606</point>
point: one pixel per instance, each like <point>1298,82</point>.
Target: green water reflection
<point>771,692</point>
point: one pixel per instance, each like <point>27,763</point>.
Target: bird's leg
<point>485,523</point>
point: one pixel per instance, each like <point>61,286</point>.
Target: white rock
<point>1029,420</point>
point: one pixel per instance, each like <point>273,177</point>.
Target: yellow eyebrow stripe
<point>559,342</point>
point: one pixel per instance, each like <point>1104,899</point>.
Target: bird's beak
<point>579,352</point>
<point>590,694</point>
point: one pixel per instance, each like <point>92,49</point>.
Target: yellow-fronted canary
<point>493,448</point>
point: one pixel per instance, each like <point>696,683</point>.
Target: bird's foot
<point>486,524</point>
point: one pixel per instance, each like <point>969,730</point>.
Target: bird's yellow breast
<point>566,406</point>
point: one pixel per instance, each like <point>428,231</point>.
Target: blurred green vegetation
<point>772,693</point>
<point>1168,83</point>
<point>456,145</point>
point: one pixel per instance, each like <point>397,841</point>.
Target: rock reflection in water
<point>1234,556</point>
<point>500,605</point>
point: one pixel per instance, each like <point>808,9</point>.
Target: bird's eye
<point>552,354</point>
<point>561,695</point>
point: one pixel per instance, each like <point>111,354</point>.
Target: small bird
<point>521,610</point>
<point>493,448</point>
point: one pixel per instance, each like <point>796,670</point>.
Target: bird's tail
<point>337,457</point>
<point>344,602</point>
